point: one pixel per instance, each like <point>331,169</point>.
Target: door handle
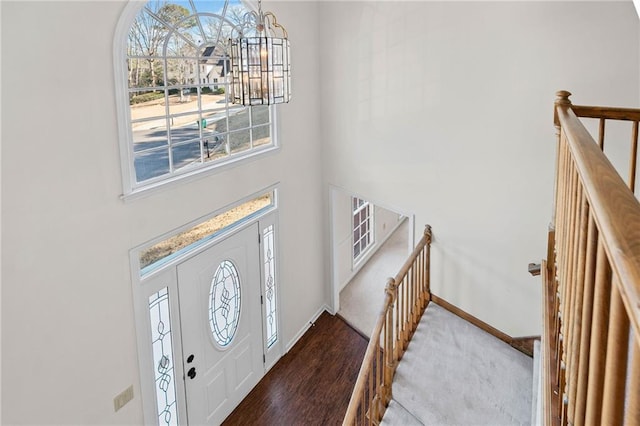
<point>191,373</point>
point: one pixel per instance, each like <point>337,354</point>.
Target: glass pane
<point>239,141</point>
<point>211,24</point>
<point>181,44</point>
<point>149,134</point>
<point>147,104</point>
<point>162,347</point>
<point>224,303</point>
<point>216,120</point>
<point>144,72</point>
<point>238,118</point>
<point>183,100</point>
<point>202,231</point>
<point>185,128</point>
<point>215,146</point>
<point>182,71</point>
<point>270,286</point>
<point>259,115</point>
<point>261,135</point>
<point>150,164</point>
<point>213,98</point>
<point>186,155</point>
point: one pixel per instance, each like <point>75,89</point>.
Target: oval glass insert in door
<point>224,303</point>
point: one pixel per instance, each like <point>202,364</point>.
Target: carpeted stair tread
<point>396,415</point>
<point>454,373</point>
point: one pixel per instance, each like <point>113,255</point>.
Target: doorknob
<point>192,373</point>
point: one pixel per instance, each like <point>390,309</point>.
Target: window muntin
<point>180,118</point>
<point>362,227</point>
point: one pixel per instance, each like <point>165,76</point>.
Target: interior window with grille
<point>362,227</point>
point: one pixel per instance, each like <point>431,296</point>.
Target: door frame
<point>166,276</point>
<point>335,192</point>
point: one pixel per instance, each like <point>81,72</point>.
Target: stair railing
<point>591,340</point>
<point>406,297</point>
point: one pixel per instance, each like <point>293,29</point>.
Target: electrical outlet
<point>122,398</point>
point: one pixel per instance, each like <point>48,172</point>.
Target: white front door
<point>221,324</point>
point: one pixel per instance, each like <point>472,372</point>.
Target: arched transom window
<point>175,72</point>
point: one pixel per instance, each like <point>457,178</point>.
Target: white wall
<point>67,313</point>
<point>386,222</point>
<point>445,109</point>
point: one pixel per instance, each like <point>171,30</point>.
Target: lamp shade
<point>260,72</point>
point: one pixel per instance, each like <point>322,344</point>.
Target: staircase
<point>454,373</point>
<point>428,363</point>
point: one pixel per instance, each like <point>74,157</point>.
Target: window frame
<point>361,205</point>
<point>131,188</point>
<point>165,276</point>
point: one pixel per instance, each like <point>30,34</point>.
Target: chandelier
<point>259,60</point>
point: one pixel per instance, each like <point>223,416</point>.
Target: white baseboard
<point>306,327</point>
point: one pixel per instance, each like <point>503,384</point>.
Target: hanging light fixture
<point>260,61</point>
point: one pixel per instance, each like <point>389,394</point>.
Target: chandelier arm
<point>249,19</point>
<point>273,22</point>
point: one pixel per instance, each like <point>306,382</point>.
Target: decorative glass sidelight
<point>270,286</point>
<point>224,303</point>
<point>163,357</point>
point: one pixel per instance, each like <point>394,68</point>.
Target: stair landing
<point>454,373</point>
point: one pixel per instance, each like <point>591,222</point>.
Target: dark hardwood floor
<point>310,385</point>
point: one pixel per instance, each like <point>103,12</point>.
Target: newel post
<point>562,100</point>
<point>389,353</point>
<point>427,263</point>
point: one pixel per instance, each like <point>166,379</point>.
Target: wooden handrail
<point>607,113</point>
<point>591,277</point>
<point>615,209</point>
<point>406,297</point>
